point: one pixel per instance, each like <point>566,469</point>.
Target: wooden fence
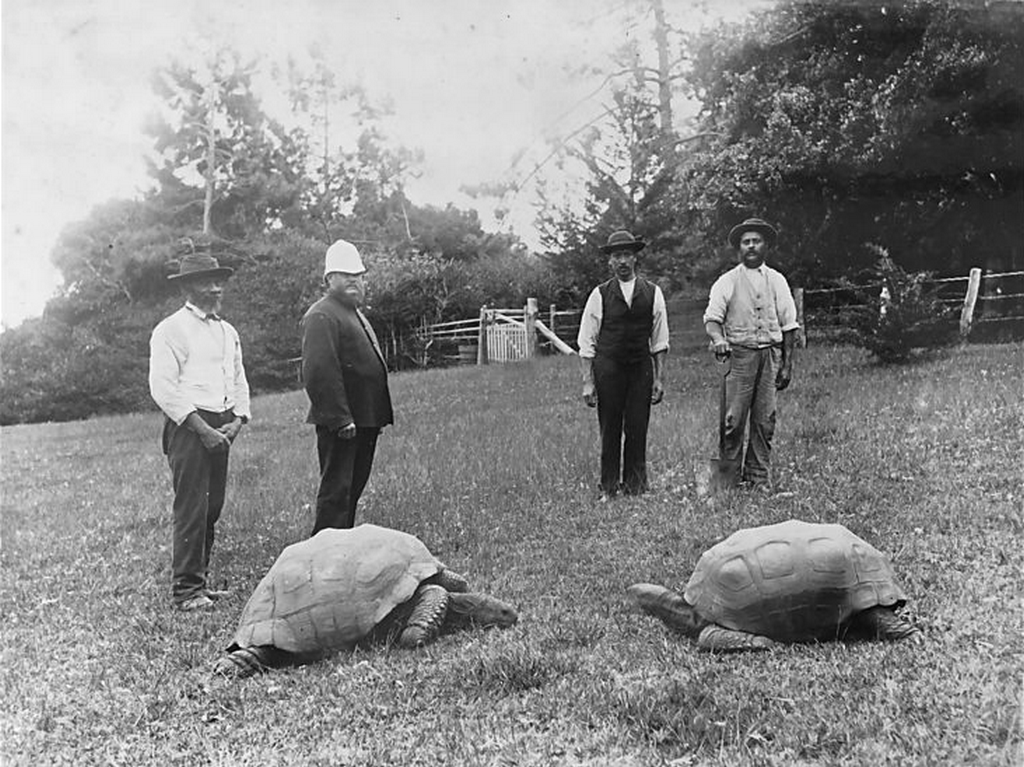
<point>985,301</point>
<point>989,306</point>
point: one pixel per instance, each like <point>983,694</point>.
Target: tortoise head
<point>474,609</point>
<point>669,607</point>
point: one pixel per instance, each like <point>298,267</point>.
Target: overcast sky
<point>473,83</point>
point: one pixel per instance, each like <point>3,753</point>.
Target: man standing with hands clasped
<point>623,339</point>
<point>751,319</point>
<point>346,380</point>
<point>197,379</point>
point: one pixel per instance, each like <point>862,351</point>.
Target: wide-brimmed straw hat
<point>197,265</point>
<point>623,240</point>
<point>759,225</point>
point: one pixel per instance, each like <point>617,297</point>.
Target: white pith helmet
<point>342,256</point>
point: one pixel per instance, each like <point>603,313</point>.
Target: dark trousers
<point>623,412</point>
<point>199,479</point>
<point>344,470</point>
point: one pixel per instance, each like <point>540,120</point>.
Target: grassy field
<point>495,469</point>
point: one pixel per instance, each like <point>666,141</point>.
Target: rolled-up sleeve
<point>718,300</point>
<point>785,306</point>
<point>659,330</point>
<point>590,325</point>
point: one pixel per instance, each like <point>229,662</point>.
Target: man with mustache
<point>751,320</point>
<point>623,340</point>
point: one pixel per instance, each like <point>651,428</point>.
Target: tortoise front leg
<point>721,639</point>
<point>429,606</point>
<point>884,623</point>
<point>451,581</point>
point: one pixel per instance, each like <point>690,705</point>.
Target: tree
<point>218,149</point>
<point>853,122</point>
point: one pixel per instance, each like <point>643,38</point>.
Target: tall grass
<point>495,469</point>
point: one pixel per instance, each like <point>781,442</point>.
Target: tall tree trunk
<point>664,75</point>
<point>211,153</point>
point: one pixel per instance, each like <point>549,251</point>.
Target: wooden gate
<point>506,342</point>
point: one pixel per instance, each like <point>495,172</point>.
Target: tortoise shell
<point>793,581</point>
<point>328,592</point>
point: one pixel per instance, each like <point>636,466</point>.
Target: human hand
<point>657,392</point>
<point>230,430</point>
<point>347,432</point>
<point>590,394</point>
<point>214,440</point>
<point>783,377</point>
<point>721,349</point>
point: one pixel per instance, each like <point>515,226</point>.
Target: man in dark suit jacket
<point>346,380</point>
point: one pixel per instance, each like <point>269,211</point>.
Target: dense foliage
<point>266,202</point>
<point>855,123</point>
<point>843,123</point>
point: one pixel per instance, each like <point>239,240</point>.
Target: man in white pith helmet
<point>346,379</point>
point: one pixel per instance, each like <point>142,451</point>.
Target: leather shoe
<point>198,602</point>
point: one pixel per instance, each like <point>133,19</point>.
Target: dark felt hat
<point>196,265</point>
<point>623,240</point>
<point>753,225</point>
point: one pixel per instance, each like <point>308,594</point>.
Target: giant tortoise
<point>789,582</point>
<point>343,588</point>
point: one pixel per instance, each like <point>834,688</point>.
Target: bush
<point>904,315</point>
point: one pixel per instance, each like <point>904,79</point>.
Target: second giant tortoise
<point>789,582</point>
<point>342,588</point>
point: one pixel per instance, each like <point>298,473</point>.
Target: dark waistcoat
<point>625,334</point>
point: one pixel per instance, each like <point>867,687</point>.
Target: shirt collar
<point>762,269</point>
<point>199,313</point>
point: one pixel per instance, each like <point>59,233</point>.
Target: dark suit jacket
<point>342,368</point>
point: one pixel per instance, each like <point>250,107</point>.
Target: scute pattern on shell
<point>793,581</point>
<point>329,592</point>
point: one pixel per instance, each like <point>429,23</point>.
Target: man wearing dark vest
<point>623,339</point>
<point>346,380</point>
<point>751,320</point>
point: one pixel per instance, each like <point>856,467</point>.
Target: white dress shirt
<point>195,362</point>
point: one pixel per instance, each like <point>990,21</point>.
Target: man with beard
<point>751,320</point>
<point>197,379</point>
<point>346,380</point>
<point>623,339</point>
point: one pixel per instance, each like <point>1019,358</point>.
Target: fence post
<point>530,320</point>
<point>552,313</point>
<point>481,337</point>
<point>970,298</point>
<point>801,333</point>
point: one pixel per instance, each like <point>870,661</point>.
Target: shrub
<point>901,312</point>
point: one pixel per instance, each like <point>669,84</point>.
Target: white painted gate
<point>506,342</point>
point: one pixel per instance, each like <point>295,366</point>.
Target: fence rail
<point>505,334</point>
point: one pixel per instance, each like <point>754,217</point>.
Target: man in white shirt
<point>197,379</point>
<point>751,319</point>
<point>623,340</point>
